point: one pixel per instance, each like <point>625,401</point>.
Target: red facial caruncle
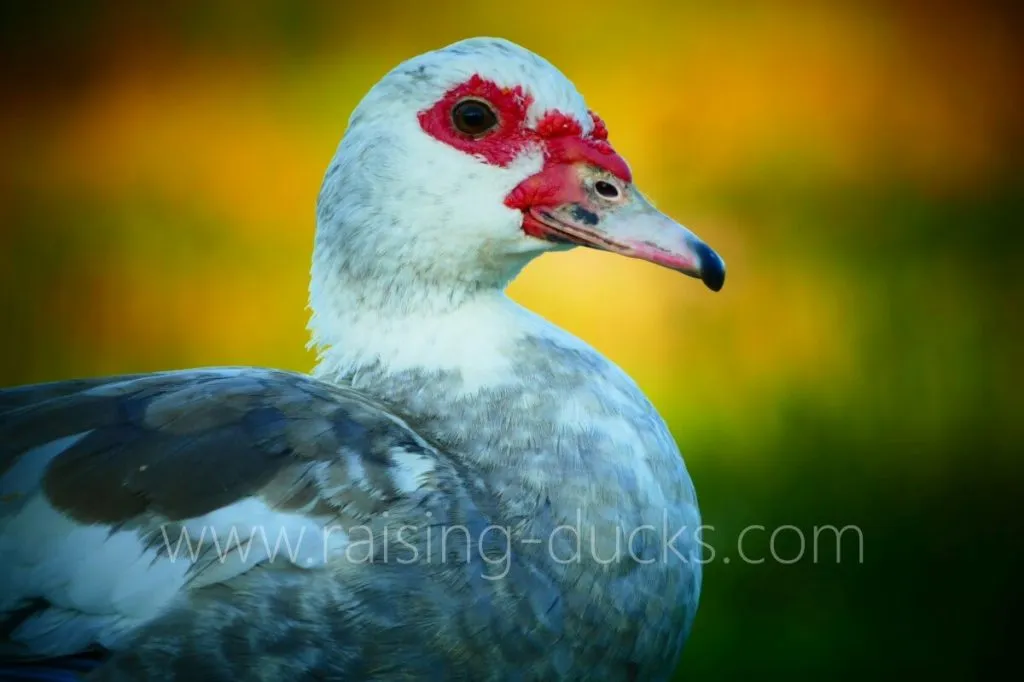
<point>583,193</point>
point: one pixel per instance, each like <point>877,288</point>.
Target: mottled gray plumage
<point>434,474</point>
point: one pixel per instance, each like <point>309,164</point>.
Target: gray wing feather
<point>181,444</point>
<point>96,474</point>
<point>146,452</point>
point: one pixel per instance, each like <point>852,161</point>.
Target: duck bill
<point>627,225</point>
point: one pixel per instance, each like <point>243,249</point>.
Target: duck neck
<point>469,336</point>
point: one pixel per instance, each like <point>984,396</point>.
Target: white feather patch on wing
<point>409,469</point>
<point>103,582</point>
<point>23,479</point>
<point>85,568</point>
<point>251,531</point>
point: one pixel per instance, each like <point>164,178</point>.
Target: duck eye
<point>473,117</point>
<point>606,189</point>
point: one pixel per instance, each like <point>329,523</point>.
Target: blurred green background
<point>858,165</point>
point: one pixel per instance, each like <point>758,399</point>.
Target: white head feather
<point>413,234</point>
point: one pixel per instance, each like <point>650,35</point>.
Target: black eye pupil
<point>473,117</point>
<point>606,189</point>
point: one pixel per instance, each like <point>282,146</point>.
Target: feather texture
<point>182,480</point>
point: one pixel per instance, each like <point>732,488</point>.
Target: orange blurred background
<point>858,165</point>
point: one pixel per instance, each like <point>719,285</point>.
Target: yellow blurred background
<point>857,164</point>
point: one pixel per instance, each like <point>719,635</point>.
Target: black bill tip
<point>712,268</point>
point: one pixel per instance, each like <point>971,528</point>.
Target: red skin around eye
<point>499,147</point>
<point>558,134</point>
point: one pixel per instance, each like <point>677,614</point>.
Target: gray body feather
<point>462,576</point>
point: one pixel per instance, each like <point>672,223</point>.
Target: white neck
<point>472,333</point>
